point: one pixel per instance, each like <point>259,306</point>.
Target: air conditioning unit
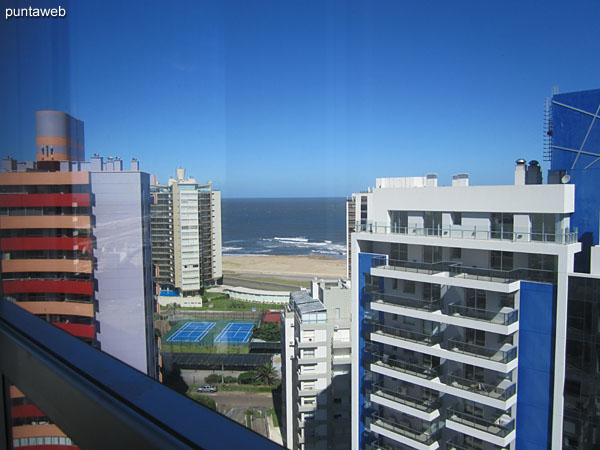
<point>335,327</point>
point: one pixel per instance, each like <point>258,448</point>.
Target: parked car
<point>207,388</point>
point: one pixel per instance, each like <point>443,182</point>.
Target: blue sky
<point>300,98</point>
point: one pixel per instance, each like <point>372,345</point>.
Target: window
<point>432,221</point>
<point>394,283</point>
<point>455,253</point>
<point>502,225</point>
<point>475,337</point>
<point>456,218</point>
<point>409,287</point>
<point>543,227</point>
<point>399,221</point>
<point>501,260</point>
<point>399,252</point>
<point>476,299</point>
<point>431,291</point>
<point>337,400</point>
<point>432,254</point>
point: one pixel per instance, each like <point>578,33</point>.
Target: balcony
<point>424,405</point>
<point>418,434</point>
<point>469,233</point>
<point>413,368</point>
<point>405,335</point>
<point>502,390</point>
<point>457,270</point>
<point>71,382</point>
<point>398,300</point>
<point>499,431</point>
<point>503,355</point>
<point>505,316</point>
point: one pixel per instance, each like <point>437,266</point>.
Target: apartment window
<point>456,218</point>
<point>432,222</point>
<point>502,225</point>
<point>476,299</point>
<point>543,227</point>
<point>542,262</point>
<point>409,287</point>
<point>501,260</point>
<point>475,337</point>
<point>473,408</point>
<point>432,254</point>
<point>409,321</point>
<point>394,283</point>
<point>399,252</point>
<point>337,416</point>
<point>337,313</point>
<point>456,253</point>
<point>399,221</point>
<point>337,400</point>
<point>394,316</point>
<point>474,373</point>
<point>431,291</point>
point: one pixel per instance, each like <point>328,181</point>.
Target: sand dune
<point>303,265</point>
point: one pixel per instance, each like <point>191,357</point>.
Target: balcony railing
<point>71,382</point>
<point>503,390</point>
<point>472,233</point>
<point>410,368</point>
<point>494,354</point>
<point>410,266</point>
<point>500,427</point>
<point>499,317</point>
<point>424,435</point>
<point>425,405</point>
<point>397,300</point>
<point>453,444</point>
<point>405,335</point>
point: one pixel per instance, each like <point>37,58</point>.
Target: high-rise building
<point>74,237</point>
<point>316,368</point>
<point>186,234</point>
<point>460,299</point>
<point>573,149</point>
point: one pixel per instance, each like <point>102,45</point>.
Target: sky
<point>312,98</point>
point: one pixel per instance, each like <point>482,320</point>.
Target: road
<point>242,400</point>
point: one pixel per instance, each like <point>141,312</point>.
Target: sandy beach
<point>299,265</point>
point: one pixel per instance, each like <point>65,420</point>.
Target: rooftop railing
<point>501,426</point>
<point>72,382</point>
<point>464,232</point>
<point>482,351</point>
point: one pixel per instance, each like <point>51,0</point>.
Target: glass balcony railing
<point>500,426</point>
<point>499,317</point>
<point>458,270</point>
<point>413,303</point>
<point>410,368</point>
<point>423,435</point>
<point>379,444</point>
<point>502,390</point>
<point>405,335</point>
<point>464,232</point>
<point>507,353</point>
<point>425,405</point>
<point>453,444</point>
<point>129,409</point>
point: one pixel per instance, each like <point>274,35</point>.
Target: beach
<point>296,265</point>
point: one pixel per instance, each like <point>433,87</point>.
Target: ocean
<point>284,226</point>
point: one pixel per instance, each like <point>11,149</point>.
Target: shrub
<point>247,377</point>
<point>207,401</point>
<point>231,380</point>
<point>212,379</point>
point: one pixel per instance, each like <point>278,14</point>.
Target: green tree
<point>267,374</point>
<point>269,332</point>
<point>207,401</point>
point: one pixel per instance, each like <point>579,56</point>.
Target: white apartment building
<point>316,368</point>
<point>460,294</point>
<point>187,217</point>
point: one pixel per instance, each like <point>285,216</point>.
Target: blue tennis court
<point>192,332</point>
<point>236,332</point>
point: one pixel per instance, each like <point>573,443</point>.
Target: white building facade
<point>316,368</point>
<point>460,297</point>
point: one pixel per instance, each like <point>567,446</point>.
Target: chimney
<point>180,173</point>
<point>460,179</point>
<point>118,164</point>
<point>97,163</point>
<point>431,180</point>
<point>135,166</point>
<point>520,172</point>
<point>534,173</point>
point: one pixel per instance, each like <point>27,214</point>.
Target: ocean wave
<point>231,249</point>
<point>292,239</point>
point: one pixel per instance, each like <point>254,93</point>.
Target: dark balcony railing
<point>502,318</point>
<point>497,427</point>
<point>406,335</point>
<point>453,444</point>
<point>98,401</point>
<point>471,233</point>
<point>493,354</point>
<point>426,405</point>
<point>458,270</point>
<point>478,387</point>
<point>413,303</point>
<point>424,435</point>
<point>410,368</point>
